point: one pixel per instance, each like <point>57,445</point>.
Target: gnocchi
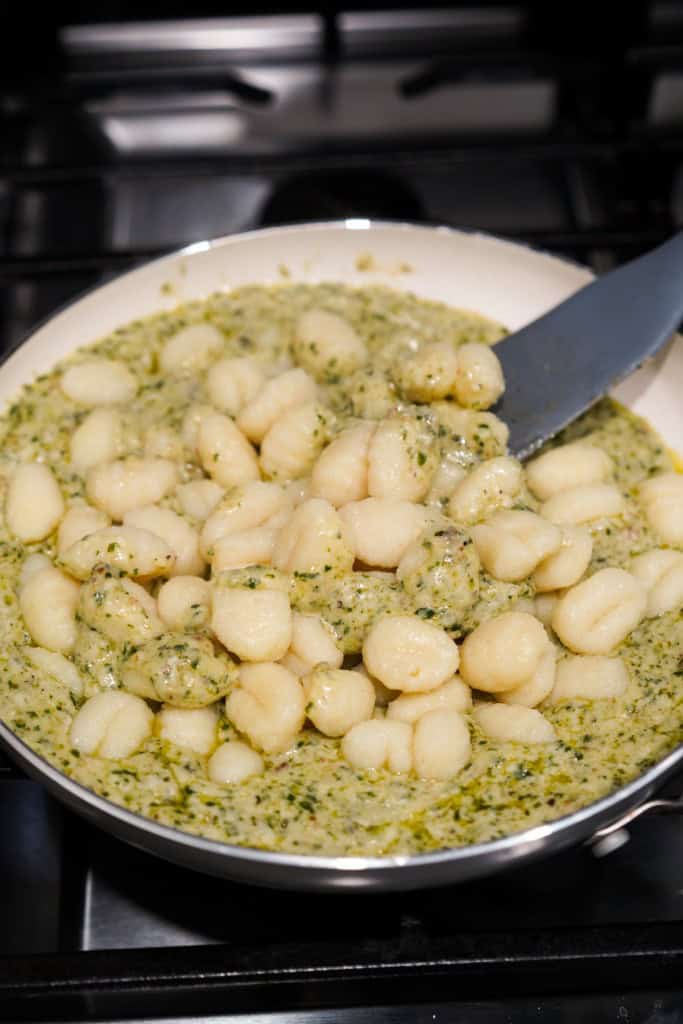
<point>340,474</point>
<point>271,546</point>
<point>565,567</point>
<point>326,344</point>
<point>503,653</point>
<point>255,624</point>
<point>34,503</point>
<point>180,537</point>
<point>277,396</point>
<point>589,677</point>
<point>97,439</point>
<point>225,453</point>
<point>112,724</point>
<point>584,503</point>
<point>127,549</point>
<point>191,728</point>
<point>268,706</point>
<point>120,486</point>
<point>662,499</point>
<point>661,573</point>
<point>48,601</point>
<point>98,382</point>
<point>492,484</point>
<point>380,530</point>
<point>479,376</point>
<point>400,459</point>
<point>406,653</point>
<point>232,382</point>
<point>379,743</point>
<point>184,603</point>
<point>315,537</point>
<point>512,544</point>
<point>565,467</point>
<point>441,744</point>
<point>453,695</point>
<point>337,699</point>
<point>512,723</point>
<point>190,348</point>
<point>234,762</point>
<point>595,616</point>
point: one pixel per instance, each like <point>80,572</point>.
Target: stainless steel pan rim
<point>298,871</point>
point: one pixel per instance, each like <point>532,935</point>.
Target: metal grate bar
<point>235,979</point>
<point>470,150</point>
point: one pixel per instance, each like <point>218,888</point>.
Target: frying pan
<point>503,280</point>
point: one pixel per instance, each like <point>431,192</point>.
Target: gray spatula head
<point>559,365</point>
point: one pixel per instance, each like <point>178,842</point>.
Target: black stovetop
<point>120,142</point>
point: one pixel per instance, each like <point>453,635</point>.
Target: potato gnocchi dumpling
<point>111,724</point>
<point>512,723</point>
<point>379,743</point>
<point>276,397</point>
<point>34,503</point>
<point>127,550</point>
<point>184,602</point>
<point>225,453</point>
<point>79,521</point>
<point>243,508</point>
<point>407,653</point>
<point>232,382</point>
<point>661,573</point>
<point>565,567</point>
<point>268,706</point>
<point>584,503</point>
<point>252,621</point>
<point>596,615</point>
<point>97,439</point>
<point>118,608</point>
<point>314,540</point>
<point>293,442</point>
<point>401,458</point>
<point>190,348</point>
<point>479,376</point>
<point>234,762</point>
<point>439,573</point>
<point>191,728</point>
<point>179,670</point>
<point>327,345</point>
<point>98,382</point>
<point>490,485</point>
<point>566,467</point>
<point>48,601</point>
<point>272,576</point>
<point>120,486</point>
<point>454,695</point>
<point>512,544</point>
<point>340,474</point>
<point>337,699</point>
<point>662,499</point>
<point>588,677</point>
<point>181,538</point>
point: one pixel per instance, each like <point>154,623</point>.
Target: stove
<point>129,137</point>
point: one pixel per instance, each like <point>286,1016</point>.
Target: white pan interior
<point>500,279</point>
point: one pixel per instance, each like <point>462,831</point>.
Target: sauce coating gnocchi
<point>275,579</point>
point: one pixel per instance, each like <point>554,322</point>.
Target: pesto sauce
<point>310,800</point>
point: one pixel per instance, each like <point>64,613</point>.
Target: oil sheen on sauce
<point>310,800</point>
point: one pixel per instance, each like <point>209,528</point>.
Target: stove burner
<point>338,194</point>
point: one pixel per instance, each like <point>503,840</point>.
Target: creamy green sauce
<point>310,800</point>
